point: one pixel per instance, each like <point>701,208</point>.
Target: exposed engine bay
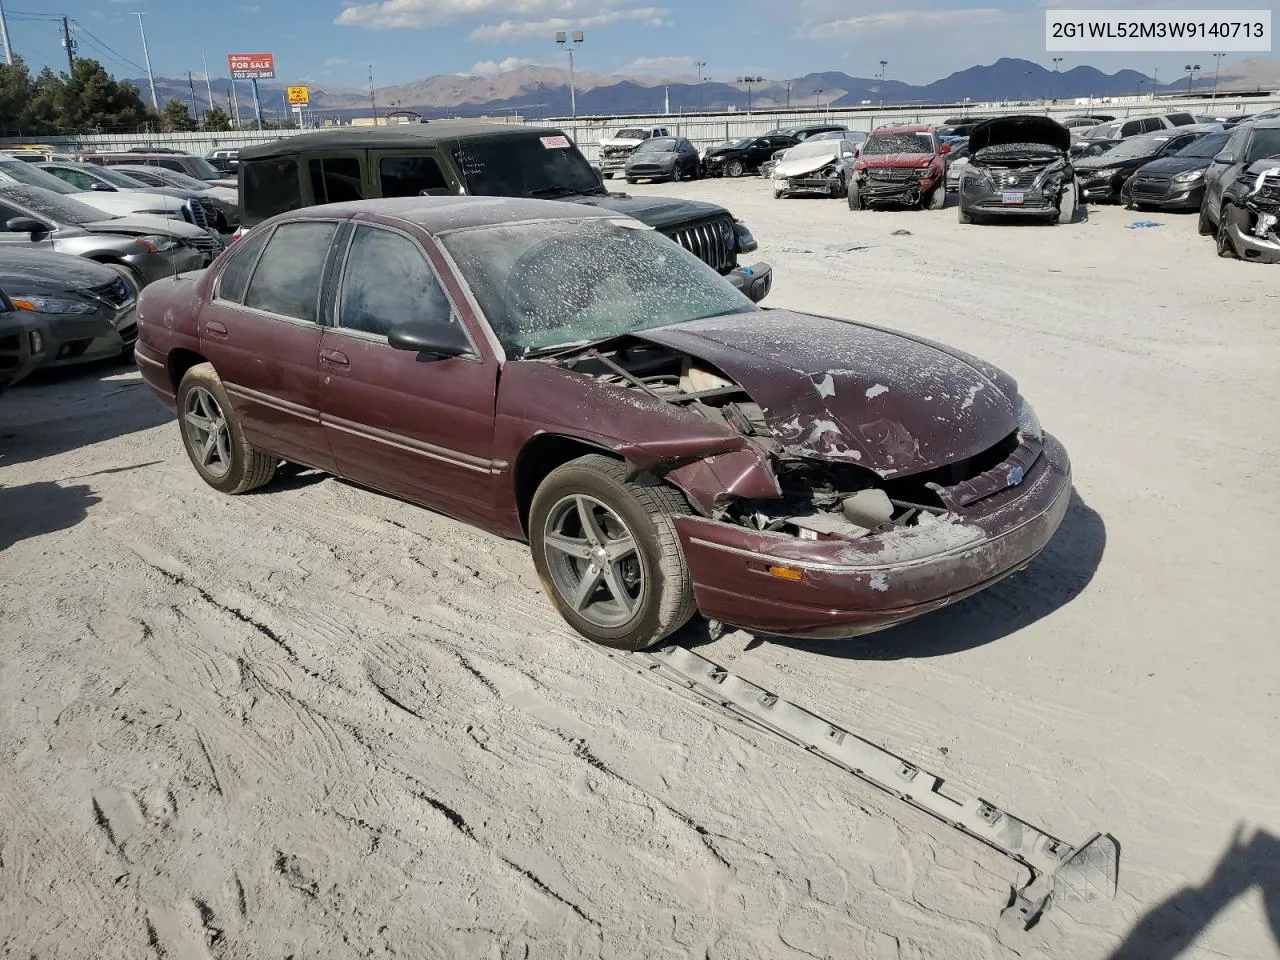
<point>1025,166</point>
<point>817,499</point>
<point>1253,227</point>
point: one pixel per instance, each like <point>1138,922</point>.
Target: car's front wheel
<point>1226,246</point>
<point>1204,225</point>
<point>936,198</point>
<point>212,436</point>
<point>854,196</point>
<point>607,553</point>
<point>734,168</point>
<point>676,174</point>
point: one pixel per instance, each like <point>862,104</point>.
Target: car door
<point>688,158</point>
<point>416,173</point>
<point>413,425</point>
<point>1216,172</point>
<point>261,331</point>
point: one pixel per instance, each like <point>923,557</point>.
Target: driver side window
<point>388,281</point>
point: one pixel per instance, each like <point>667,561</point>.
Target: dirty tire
<point>854,196</point>
<point>608,174</point>
<point>1226,249</point>
<point>1068,205</point>
<point>937,198</point>
<point>249,468</point>
<point>1204,226</point>
<point>666,600</point>
<point>962,216</point>
<point>676,175</point>
<point>734,168</point>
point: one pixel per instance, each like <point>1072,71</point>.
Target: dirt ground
<point>317,722</point>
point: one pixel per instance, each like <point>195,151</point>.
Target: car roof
<point>393,136</point>
<point>904,128</point>
<point>443,214</point>
<point>1266,123</point>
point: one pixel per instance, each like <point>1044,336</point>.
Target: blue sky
<point>332,42</point>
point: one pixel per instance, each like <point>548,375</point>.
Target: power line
<point>107,51</point>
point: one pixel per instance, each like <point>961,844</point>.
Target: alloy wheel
<point>205,427</point>
<point>593,561</point>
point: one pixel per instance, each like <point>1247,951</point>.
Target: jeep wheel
<point>734,168</point>
<point>608,555</point>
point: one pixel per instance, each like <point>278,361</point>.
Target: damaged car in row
<point>565,376</point>
<point>816,168</point>
<point>1018,165</point>
<point>1249,224</point>
<point>904,165</point>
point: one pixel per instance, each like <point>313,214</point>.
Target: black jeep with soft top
<point>475,158</point>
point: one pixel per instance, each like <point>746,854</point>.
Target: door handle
<point>215,328</point>
<point>335,357</point>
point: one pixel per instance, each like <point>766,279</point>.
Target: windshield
<point>559,282</point>
<point>116,178</point>
<point>176,179</point>
<point>203,169</point>
<point>658,145</point>
<point>886,143</point>
<point>49,205</point>
<point>1265,143</point>
<point>526,167</point>
<point>15,171</point>
<point>1108,131</point>
<point>1136,147</point>
<point>1205,146</point>
<point>630,133</point>
<point>739,144</point>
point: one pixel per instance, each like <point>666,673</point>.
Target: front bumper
<point>70,340</point>
<point>650,171</point>
<point>613,164</point>
<point>1100,189</point>
<point>872,189</point>
<point>1250,246</point>
<point>20,352</point>
<point>1165,193</point>
<point>819,186</point>
<point>848,588</point>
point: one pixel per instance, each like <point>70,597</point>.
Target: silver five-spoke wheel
<point>206,427</point>
<point>593,562</point>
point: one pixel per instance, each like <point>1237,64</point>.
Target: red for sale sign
<point>252,66</point>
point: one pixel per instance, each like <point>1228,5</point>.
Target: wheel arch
<point>541,454</point>
<point>178,362</point>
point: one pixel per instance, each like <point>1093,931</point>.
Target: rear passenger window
<point>269,187</point>
<point>1132,128</point>
<point>1152,124</point>
<point>1181,119</point>
<point>287,280</point>
<point>411,177</point>
<point>235,276</point>
<point>335,179</point>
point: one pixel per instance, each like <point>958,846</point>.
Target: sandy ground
<point>316,722</point>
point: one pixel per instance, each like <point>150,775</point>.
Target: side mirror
<point>945,148</point>
<point>101,187</point>
<point>428,338</point>
<point>1224,157</point>
<point>25,225</point>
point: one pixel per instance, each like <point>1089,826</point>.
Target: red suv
<point>901,165</point>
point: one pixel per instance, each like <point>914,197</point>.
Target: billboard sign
<point>252,66</point>
<point>298,96</point>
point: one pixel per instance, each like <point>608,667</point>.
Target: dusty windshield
<point>118,179</point>
<point>176,179</point>
<point>50,205</point>
<point>1265,143</point>
<point>17,171</point>
<point>203,169</point>
<point>1205,147</point>
<point>558,282</point>
<point>887,143</point>
<point>660,145</point>
<point>1136,147</point>
<point>631,133</point>
<point>543,167</point>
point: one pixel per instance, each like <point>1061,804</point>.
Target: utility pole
<point>70,45</point>
<point>4,37</point>
<point>235,101</point>
<point>257,104</point>
<point>195,107</point>
<point>146,58</point>
<point>208,83</point>
<point>1217,64</point>
<point>373,100</point>
<point>1191,75</point>
<point>788,94</point>
<point>565,43</point>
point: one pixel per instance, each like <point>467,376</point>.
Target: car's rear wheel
<point>854,196</point>
<point>1204,225</point>
<point>212,436</point>
<point>607,553</point>
<point>936,198</point>
<point>734,168</point>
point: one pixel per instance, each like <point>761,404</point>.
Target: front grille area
<point>116,293</point>
<point>892,174</point>
<point>193,212</point>
<point>615,151</point>
<point>1148,187</point>
<point>206,244</point>
<point>1013,179</point>
<point>128,334</point>
<point>706,242</point>
<point>210,211</point>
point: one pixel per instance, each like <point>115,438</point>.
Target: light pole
<point>817,99</point>
<point>883,64</point>
<point>373,100</point>
<point>146,58</point>
<point>749,81</point>
<point>571,44</point>
<point>1217,64</point>
<point>1057,79</point>
<point>1141,81</point>
<point>1191,75</point>
<point>701,65</point>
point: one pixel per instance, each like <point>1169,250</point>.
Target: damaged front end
<point>801,529</point>
<point>1017,165</point>
<point>1249,229</point>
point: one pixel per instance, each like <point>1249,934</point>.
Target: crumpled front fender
<point>710,482</point>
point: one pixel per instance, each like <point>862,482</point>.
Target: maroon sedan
<point>569,377</point>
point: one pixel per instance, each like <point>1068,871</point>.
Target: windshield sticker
<point>555,143</point>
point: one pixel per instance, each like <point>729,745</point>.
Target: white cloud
<point>896,20</point>
<point>659,66</point>
<point>509,29</point>
<point>390,14</point>
<point>335,61</point>
<point>491,68</point>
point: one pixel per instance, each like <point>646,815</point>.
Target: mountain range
<point>536,91</point>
